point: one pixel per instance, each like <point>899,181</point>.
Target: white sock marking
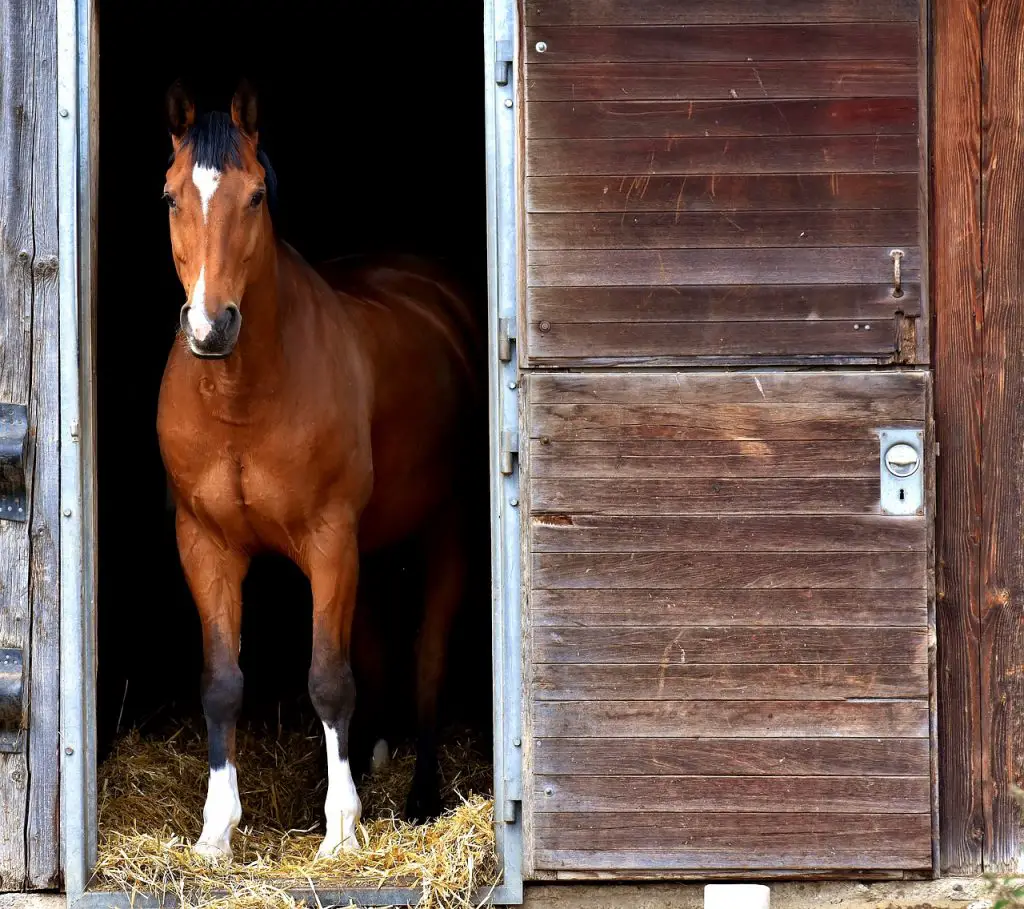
<point>206,180</point>
<point>381,756</point>
<point>221,814</point>
<point>342,806</point>
<point>198,320</point>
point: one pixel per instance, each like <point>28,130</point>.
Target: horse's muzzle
<point>221,334</point>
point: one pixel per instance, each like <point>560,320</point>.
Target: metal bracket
<point>502,62</point>
<point>901,471</point>
<point>13,445</point>
<point>12,707</point>
<point>506,335</point>
<point>509,449</point>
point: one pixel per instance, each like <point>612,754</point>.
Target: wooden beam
<point>1002,472</point>
<point>957,294</point>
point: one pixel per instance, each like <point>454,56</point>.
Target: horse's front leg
<point>215,573</point>
<point>333,569</point>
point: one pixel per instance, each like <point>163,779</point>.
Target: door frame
<point>77,187</point>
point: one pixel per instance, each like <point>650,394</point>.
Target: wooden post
<point>1002,408</point>
<point>957,307</point>
<point>29,618</point>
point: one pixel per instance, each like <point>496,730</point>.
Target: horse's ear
<point>244,109</point>
<point>181,112</point>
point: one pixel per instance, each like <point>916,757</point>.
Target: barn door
<point>29,454</point>
<point>727,453</point>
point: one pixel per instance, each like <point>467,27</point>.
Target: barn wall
<point>29,613</point>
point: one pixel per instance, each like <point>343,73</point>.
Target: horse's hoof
<point>423,804</point>
<point>331,849</point>
<point>215,853</point>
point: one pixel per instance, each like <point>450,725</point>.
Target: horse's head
<point>216,190</point>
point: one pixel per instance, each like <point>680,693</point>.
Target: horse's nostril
<point>228,319</point>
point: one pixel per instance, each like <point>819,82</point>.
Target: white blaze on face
<point>342,806</point>
<point>221,814</point>
<point>198,320</point>
<point>206,180</point>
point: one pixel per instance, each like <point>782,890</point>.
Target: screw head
<point>545,325</point>
<point>541,47</point>
<point>517,742</point>
<point>508,102</point>
<point>69,750</point>
<point>514,503</point>
<point>63,111</point>
<point>548,790</point>
<point>67,512</point>
<point>23,255</point>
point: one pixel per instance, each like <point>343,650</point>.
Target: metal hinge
<point>512,809</point>
<point>509,450</point>
<point>502,61</point>
<point>506,335</point>
<point>13,446</point>
<point>12,700</point>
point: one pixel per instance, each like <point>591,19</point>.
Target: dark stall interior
<point>372,115</point>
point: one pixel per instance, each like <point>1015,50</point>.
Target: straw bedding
<point>151,793</point>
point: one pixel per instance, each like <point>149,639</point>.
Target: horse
<point>317,414</point>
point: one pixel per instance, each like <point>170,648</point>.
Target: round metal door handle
<point>902,460</point>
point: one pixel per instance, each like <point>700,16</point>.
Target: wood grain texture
<point>663,230</point>
<point>727,12</point>
<point>779,794</point>
<point>804,607</point>
<point>609,459</point>
<point>689,119</point>
<point>732,719</point>
<point>575,341</point>
<point>590,268</point>
<point>722,193</point>
<point>663,646</point>
<point>789,79</point>
<point>903,391</point>
<point>728,757</point>
<point>716,43</point>
<point>42,838</point>
<point>728,681</point>
<point>1002,463</point>
<point>713,156</point>
<point>957,288</point>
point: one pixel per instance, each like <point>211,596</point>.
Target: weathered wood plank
<point>960,316</point>
<point>726,757</point>
<point>725,12</point>
<point>806,607</point>
<point>632,267</point>
<point>662,646</point>
<point>725,533</point>
<point>708,230</point>
<point>717,421</point>
<point>783,853</point>
<point>552,341</point>
<point>728,682</point>
<point>1002,409</point>
<point>706,496</point>
<point>659,570</point>
<point>721,81</point>
<point>714,43</point>
<point>751,155</point>
<point>742,303</point>
<point>778,794</point>
<point>731,719</point>
<point>722,193</point>
<point>906,390</point>
<point>42,836</point>
<point>855,458</point>
<point>690,119</point>
<point>20,120</point>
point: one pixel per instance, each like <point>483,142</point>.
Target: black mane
<point>216,142</point>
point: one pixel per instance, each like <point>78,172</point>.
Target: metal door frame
<point>77,143</point>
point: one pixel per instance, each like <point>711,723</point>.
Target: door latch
<point>901,470</point>
<point>13,445</point>
<point>509,449</point>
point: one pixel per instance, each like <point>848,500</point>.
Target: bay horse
<point>313,414</point>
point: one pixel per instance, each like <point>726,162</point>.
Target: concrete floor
<point>949,893</point>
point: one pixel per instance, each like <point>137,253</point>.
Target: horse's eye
<point>257,198</point>
<point>172,203</point>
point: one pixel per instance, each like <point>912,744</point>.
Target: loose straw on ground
<point>151,793</point>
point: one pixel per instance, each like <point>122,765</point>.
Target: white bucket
<point>737,896</point>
